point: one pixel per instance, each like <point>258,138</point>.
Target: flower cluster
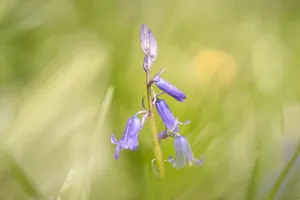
<point>129,139</point>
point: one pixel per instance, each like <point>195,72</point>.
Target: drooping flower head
<point>184,154</point>
<point>168,87</point>
<point>170,122</point>
<point>166,115</point>
<point>129,139</point>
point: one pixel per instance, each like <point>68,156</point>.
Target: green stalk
<point>156,146</point>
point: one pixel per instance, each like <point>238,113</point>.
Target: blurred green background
<point>71,75</point>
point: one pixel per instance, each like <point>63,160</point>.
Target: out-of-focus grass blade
<point>284,173</point>
<point>24,180</point>
<point>104,110</point>
<point>254,180</point>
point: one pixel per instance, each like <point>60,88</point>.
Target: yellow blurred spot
<point>214,67</point>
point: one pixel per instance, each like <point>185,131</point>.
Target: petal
<point>198,162</point>
<point>170,89</point>
<point>118,150</point>
<point>186,122</point>
<point>180,159</point>
<point>113,139</point>
<point>153,46</point>
<point>134,146</point>
<point>130,136</point>
<point>144,38</point>
<point>182,145</point>
<point>172,161</point>
<point>183,150</point>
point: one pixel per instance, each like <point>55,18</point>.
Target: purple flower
<point>129,139</point>
<point>184,154</point>
<point>167,116</point>
<point>170,89</point>
<point>167,87</point>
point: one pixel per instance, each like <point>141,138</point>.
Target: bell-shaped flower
<point>184,154</point>
<point>167,116</point>
<point>129,139</point>
<point>167,87</point>
<point>170,89</point>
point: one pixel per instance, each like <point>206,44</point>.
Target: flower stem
<point>155,143</point>
<point>284,173</point>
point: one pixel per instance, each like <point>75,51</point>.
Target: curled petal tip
<point>186,122</point>
<point>200,161</point>
<point>113,139</point>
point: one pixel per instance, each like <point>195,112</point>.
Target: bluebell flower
<point>170,89</point>
<point>184,154</point>
<point>129,139</point>
<point>167,87</point>
<point>167,116</point>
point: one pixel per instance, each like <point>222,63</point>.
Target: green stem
<point>284,173</point>
<point>155,143</point>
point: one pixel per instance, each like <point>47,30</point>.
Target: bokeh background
<point>71,75</point>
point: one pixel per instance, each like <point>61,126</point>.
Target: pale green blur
<point>71,75</point>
